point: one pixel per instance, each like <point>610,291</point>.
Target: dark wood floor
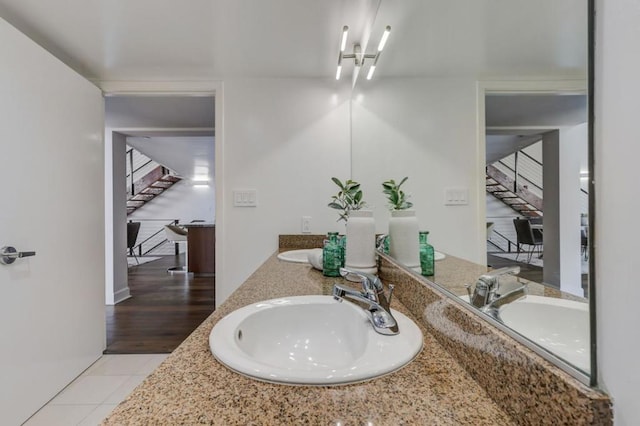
<point>162,311</point>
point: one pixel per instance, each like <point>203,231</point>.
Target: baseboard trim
<point>121,295</point>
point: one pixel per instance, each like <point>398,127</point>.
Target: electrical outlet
<point>306,224</point>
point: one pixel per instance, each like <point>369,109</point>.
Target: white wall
<point>617,204</point>
<point>52,319</point>
<point>116,285</point>
<point>573,145</point>
<point>425,129</point>
<point>562,152</point>
<point>285,138</point>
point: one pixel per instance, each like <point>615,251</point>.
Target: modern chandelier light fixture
<point>358,56</point>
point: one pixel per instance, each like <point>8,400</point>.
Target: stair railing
<point>154,240</point>
<point>505,231</point>
<point>131,175</point>
<point>515,170</point>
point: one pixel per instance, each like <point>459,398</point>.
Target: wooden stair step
<point>142,197</point>
<point>152,190</point>
<point>162,184</point>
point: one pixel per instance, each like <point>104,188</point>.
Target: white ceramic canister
<point>404,240</point>
<point>361,241</point>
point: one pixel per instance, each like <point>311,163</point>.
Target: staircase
<point>513,194</point>
<point>155,181</point>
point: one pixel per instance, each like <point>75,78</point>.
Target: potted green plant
<point>404,242</point>
<point>348,198</point>
<point>360,226</point>
<point>398,200</point>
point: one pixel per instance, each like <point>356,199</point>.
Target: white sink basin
<point>558,325</point>
<point>311,340</point>
<point>561,326</point>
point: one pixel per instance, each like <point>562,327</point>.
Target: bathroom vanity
<point>495,381</point>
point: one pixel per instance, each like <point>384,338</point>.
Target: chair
<point>176,235</point>
<point>133,228</point>
<point>526,236</point>
<point>490,226</point>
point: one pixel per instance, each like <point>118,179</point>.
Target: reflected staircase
<point>515,181</point>
<point>513,194</point>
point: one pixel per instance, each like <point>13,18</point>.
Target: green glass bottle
<point>343,249</point>
<point>332,256</point>
<point>427,264</point>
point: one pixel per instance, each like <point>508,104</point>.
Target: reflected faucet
<point>380,242</point>
<point>486,297</point>
<point>373,296</point>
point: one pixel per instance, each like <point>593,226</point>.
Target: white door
<point>52,322</point>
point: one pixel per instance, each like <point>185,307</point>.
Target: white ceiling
<point>191,157</point>
<point>216,39</point>
<point>211,39</point>
<point>195,39</point>
<point>175,131</point>
<point>517,120</point>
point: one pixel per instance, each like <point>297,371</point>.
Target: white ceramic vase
<point>404,239</point>
<point>361,241</point>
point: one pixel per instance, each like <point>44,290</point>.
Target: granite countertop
<point>191,387</point>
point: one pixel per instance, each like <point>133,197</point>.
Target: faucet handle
<point>391,287</point>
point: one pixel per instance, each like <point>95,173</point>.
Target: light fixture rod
<point>372,68</point>
<point>384,38</point>
<point>343,42</point>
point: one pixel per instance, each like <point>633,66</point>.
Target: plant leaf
<point>337,182</point>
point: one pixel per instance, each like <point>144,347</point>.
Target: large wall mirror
<point>489,100</point>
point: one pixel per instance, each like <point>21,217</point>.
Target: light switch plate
<point>456,196</point>
<point>245,198</point>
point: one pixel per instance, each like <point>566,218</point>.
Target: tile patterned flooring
<point>95,393</point>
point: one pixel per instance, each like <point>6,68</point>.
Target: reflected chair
<point>133,228</point>
<point>176,235</point>
<point>526,236</point>
<point>584,243</point>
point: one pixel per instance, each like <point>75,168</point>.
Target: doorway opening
<point>536,157</point>
<point>162,178</point>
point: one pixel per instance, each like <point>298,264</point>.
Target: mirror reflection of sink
<point>312,340</point>
<point>296,256</point>
<point>558,325</point>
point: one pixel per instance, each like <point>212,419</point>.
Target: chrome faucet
<point>373,296</point>
<point>493,308</point>
<point>486,297</point>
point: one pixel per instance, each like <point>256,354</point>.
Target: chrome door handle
<point>9,254</point>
